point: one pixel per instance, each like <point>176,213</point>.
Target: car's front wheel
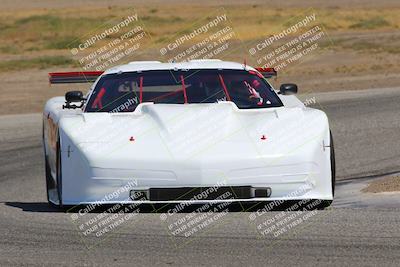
<point>53,186</point>
<point>326,203</point>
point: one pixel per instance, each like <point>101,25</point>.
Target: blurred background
<point>360,48</point>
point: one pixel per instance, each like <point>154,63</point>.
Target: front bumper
<point>111,190</point>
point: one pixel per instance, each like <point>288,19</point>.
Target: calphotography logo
<point>290,217</point>
<point>101,218</point>
<point>199,133</point>
<point>291,45</point>
<point>107,32</point>
<point>114,43</point>
<point>196,214</point>
<point>276,37</point>
<point>212,37</point>
<point>201,30</point>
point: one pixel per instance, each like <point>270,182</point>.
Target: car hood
<point>193,133</point>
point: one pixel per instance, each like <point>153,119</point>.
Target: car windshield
<point>125,91</point>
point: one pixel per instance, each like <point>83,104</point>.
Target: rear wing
<point>74,77</point>
<point>267,72</point>
<point>91,76</point>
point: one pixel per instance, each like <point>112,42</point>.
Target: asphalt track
<point>358,230</point>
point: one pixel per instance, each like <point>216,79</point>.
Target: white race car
<point>203,131</point>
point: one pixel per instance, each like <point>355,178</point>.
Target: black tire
<point>59,174</point>
<point>47,171</point>
<point>49,179</point>
<point>50,183</point>
<point>326,203</point>
<point>333,165</point>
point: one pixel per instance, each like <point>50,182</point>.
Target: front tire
<point>49,179</point>
<point>59,174</point>
<point>326,203</point>
<point>53,186</point>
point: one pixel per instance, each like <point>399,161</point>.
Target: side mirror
<point>288,89</point>
<point>74,96</point>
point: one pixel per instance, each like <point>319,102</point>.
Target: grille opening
<point>200,193</point>
<point>262,192</point>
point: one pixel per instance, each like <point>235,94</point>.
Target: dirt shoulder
<point>386,184</point>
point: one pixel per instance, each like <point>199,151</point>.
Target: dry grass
<point>388,184</point>
<point>24,31</point>
<point>37,63</point>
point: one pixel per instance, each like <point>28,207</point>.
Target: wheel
<point>59,174</point>
<point>49,179</point>
<point>53,186</point>
<point>326,203</point>
<point>333,164</point>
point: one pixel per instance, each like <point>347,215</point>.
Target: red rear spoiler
<point>91,76</point>
<point>267,72</point>
<point>74,76</point>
